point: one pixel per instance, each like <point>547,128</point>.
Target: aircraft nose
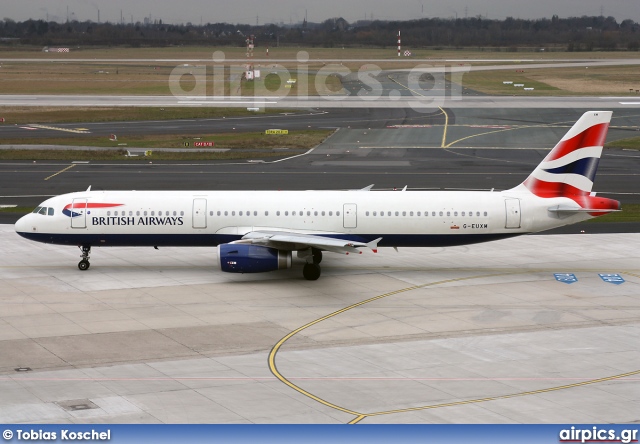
<point>23,225</point>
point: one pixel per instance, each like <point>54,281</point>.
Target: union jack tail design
<point>570,168</point>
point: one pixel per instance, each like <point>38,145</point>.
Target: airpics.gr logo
<point>79,206</point>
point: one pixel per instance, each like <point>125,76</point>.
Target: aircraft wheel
<point>83,265</point>
<point>311,272</point>
<point>317,256</point>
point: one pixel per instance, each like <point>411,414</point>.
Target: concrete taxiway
<point>483,333</point>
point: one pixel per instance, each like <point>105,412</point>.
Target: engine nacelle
<point>244,258</point>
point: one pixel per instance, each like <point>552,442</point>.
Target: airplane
<point>257,231</point>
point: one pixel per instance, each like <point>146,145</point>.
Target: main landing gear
<point>84,263</point>
<point>311,270</point>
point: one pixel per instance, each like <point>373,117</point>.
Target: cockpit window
<point>45,211</point>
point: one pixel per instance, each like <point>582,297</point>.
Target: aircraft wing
<point>283,240</point>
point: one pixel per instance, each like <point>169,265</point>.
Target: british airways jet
<point>257,231</point>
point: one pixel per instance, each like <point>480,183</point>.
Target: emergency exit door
<point>350,216</point>
<point>199,213</point>
<point>512,207</point>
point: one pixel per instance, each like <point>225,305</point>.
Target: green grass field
<point>239,145</point>
<point>633,143</point>
<point>629,213</point>
<point>605,80</point>
<point>26,115</point>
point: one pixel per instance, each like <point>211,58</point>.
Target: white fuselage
<point>209,218</point>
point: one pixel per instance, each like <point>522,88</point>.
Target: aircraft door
<point>350,216</point>
<point>79,213</point>
<point>199,213</point>
<point>513,217</point>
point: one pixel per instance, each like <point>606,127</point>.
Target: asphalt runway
<point>468,149</point>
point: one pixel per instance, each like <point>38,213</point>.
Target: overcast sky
<point>275,11</point>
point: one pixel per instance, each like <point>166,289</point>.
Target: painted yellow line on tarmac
<point>61,171</point>
<point>359,416</point>
<point>56,128</point>
<point>446,125</point>
<point>446,116</point>
<point>513,395</point>
<point>274,351</point>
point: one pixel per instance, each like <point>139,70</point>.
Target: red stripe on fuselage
<point>92,205</point>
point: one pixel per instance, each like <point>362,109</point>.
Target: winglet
<point>368,188</point>
<point>373,245</point>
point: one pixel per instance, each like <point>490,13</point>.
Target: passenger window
<point>210,213</point>
<point>337,213</point>
<point>397,214</point>
<point>478,213</point>
<point>410,213</point>
<point>308,213</point>
<point>286,213</point>
<point>182,213</point>
<point>315,213</point>
<point>239,213</point>
<point>233,213</point>
<point>418,214</point>
<point>366,213</point>
<point>218,213</point>
<point>433,213</point>
<point>455,213</point>
<point>293,213</point>
<point>382,213</point>
<point>137,213</point>
<point>108,213</point>
<point>255,213</point>
<point>330,213</point>
<point>266,213</point>
<point>441,214</point>
<point>277,213</point>
<point>485,213</point>
<point>463,214</point>
<point>323,213</point>
<point>174,213</point>
<point>50,211</point>
<point>153,213</point>
<point>226,213</point>
<point>130,213</point>
<point>375,213</point>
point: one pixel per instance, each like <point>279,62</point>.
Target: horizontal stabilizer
<point>575,210</point>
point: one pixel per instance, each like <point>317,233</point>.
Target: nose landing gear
<point>84,263</point>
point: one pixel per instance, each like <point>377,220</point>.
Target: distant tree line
<point>570,34</point>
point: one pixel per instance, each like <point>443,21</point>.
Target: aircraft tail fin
<point>570,168</point>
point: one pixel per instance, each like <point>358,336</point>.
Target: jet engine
<point>243,258</point>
